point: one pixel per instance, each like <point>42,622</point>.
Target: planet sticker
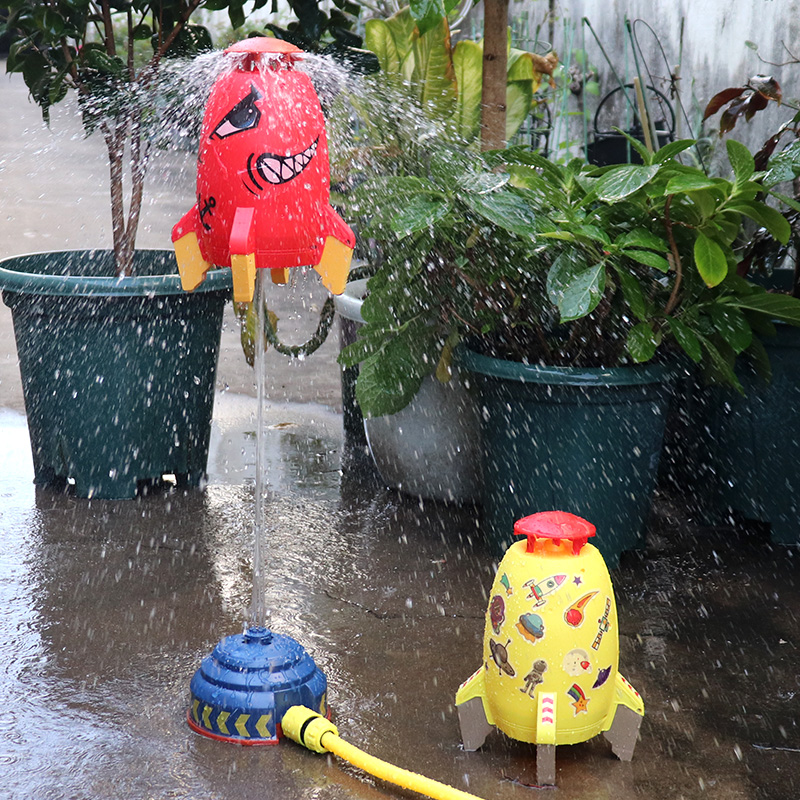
<point>576,662</point>
<point>531,626</point>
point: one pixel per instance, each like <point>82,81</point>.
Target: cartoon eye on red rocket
<point>242,117</point>
<point>263,183</point>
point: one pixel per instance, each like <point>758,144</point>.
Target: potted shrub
<point>577,283</point>
<point>117,364</point>
<point>747,447</point>
<point>429,88</point>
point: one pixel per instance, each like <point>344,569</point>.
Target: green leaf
<point>784,166</point>
<point>642,238</point>
<point>427,13</point>
<point>721,365</point>
<point>433,71</point>
<point>574,286</point>
<point>689,182</point>
<point>593,234</point>
<point>741,160</point>
<point>766,216</point>
<point>623,181</point>
<point>632,292</point>
<point>648,258</point>
<point>421,212</point>
<point>709,258</point>
<point>505,209</point>
<point>774,306</point>
<point>468,66</point>
<point>52,23</point>
<point>141,32</point>
<point>760,358</point>
<point>706,202</point>
<point>672,149</point>
<point>686,339</point>
<point>638,146</point>
<point>389,379</point>
<point>732,326</point>
<point>236,15</point>
<point>642,342</point>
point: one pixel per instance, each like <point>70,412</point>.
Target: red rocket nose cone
<point>256,45</point>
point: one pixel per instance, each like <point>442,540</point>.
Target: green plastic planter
<point>586,441</point>
<point>118,373</point>
<point>748,447</point>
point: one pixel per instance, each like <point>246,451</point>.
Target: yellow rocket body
<point>551,646</point>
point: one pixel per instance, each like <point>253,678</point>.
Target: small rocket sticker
<point>540,590</point>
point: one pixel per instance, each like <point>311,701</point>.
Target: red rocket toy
<point>263,184</point>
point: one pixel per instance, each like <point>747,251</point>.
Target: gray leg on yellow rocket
<point>474,725</point>
<point>624,732</point>
<point>546,764</point>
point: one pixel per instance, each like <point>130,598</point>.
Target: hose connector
<point>306,727</point>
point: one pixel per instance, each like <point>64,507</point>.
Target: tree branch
<point>495,71</point>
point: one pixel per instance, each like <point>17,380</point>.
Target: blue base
<point>243,689</point>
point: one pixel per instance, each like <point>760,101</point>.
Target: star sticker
<point>580,705</point>
<point>577,580</point>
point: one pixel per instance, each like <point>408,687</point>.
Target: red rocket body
<point>263,185</point>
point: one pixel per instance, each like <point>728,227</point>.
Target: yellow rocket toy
<point>551,648</point>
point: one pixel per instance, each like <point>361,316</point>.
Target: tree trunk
<point>495,70</point>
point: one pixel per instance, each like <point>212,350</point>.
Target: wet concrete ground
<point>107,608</point>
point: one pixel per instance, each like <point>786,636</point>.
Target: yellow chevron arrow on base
<point>261,725</point>
<point>222,718</point>
<point>241,726</point>
<point>195,706</point>
<point>207,717</point>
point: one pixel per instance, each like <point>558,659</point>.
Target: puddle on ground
<point>107,608</point>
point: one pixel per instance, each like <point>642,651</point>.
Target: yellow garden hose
<point>313,731</point>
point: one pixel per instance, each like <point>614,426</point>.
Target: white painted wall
<point>714,53</point>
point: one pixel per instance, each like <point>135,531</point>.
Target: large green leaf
<point>775,306</point>
<point>429,13</point>
<point>632,292</point>
<point>506,209</point>
<point>784,166</point>
<point>433,70</point>
<point>574,286</point>
<point>648,258</point>
<point>468,66</point>
<point>622,181</point>
<point>519,95</point>
<point>389,379</point>
<point>642,342</point>
<point>710,260</point>
<point>732,326</point>
<point>766,216</point>
<point>690,182</point>
<point>672,149</point>
<point>422,211</point>
<point>686,339</point>
<point>378,38</point>
<point>741,160</point>
<point>522,81</point>
<point>642,238</point>
<point>391,41</point>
